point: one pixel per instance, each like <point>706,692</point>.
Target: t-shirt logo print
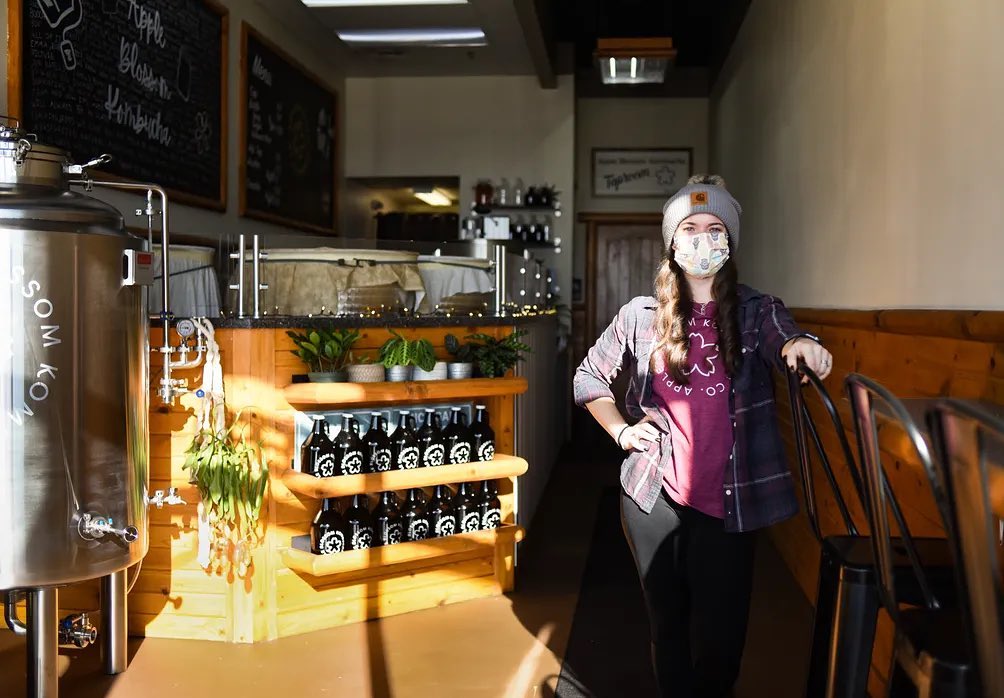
<point>709,360</point>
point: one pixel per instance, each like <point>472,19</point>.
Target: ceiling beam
<point>535,21</point>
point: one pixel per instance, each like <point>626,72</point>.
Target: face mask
<point>702,254</point>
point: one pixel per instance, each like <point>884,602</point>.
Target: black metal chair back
<point>970,446</point>
<point>866,395</point>
<point>806,431</point>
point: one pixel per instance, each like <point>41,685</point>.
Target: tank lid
<point>25,161</point>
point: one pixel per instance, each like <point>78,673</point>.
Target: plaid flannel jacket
<point>758,488</point>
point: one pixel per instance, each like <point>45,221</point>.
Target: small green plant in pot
<point>462,365</point>
<point>325,353</point>
<point>363,369</point>
<point>496,357</point>
<point>399,355</point>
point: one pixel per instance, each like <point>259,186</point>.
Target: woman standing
<point>705,465</point>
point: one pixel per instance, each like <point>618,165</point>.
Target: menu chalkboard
<point>288,139</point>
<point>142,80</point>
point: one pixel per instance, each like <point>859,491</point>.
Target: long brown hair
<point>672,317</point>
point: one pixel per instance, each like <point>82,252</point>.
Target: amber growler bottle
<point>327,532</point>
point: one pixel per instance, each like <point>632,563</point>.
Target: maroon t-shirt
<point>700,425</point>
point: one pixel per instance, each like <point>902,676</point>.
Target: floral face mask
<point>702,254</point>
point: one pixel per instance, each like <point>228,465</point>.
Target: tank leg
<point>114,623</point>
<point>43,643</point>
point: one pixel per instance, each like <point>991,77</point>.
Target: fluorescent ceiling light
<point>379,3</point>
<point>413,37</point>
<point>634,61</point>
<point>433,197</point>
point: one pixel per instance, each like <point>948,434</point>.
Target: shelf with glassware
<point>393,547</point>
<point>521,217</point>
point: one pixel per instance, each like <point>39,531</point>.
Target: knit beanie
<point>702,194</point>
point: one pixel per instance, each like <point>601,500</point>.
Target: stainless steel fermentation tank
<point>74,394</point>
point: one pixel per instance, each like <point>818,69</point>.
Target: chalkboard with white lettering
<point>288,144</point>
<point>142,80</point>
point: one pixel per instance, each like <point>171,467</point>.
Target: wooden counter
<point>291,591</point>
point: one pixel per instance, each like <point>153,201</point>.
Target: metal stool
<point>970,446</point>
<point>846,602</point>
<point>929,658</point>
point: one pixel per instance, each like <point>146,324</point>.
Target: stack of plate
<point>362,299</point>
<point>466,303</point>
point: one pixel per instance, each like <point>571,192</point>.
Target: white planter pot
<point>325,377</point>
<point>397,374</point>
<point>438,373</point>
<point>366,373</point>
<point>460,370</point>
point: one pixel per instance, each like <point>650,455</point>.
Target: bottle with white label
<point>327,533</point>
<point>317,454</point>
<point>482,436</point>
<point>387,526</point>
<point>431,444</point>
<point>414,519</point>
<point>348,448</point>
<point>442,518</point>
<point>458,438</point>
<point>376,445</point>
<point>466,509</point>
<point>404,445</point>
<point>489,506</point>
<point>358,524</point>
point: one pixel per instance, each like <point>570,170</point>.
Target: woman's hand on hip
<point>815,356</point>
<point>638,437</point>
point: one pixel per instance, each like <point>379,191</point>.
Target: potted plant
<point>462,365</point>
<point>232,478</point>
<point>325,353</point>
<point>495,357</point>
<point>362,369</point>
<point>399,355</point>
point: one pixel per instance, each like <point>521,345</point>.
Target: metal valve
<point>94,527</point>
<point>80,169</point>
<point>76,630</point>
<point>159,498</point>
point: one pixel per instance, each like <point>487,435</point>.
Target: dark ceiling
<point>702,30</point>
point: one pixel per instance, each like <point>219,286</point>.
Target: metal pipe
<point>256,276</point>
<point>239,286</point>
<point>114,627</point>
<point>166,391</point>
<point>43,643</point>
<point>501,277</point>
<point>11,599</point>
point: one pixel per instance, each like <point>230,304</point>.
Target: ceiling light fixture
<point>379,3</point>
<point>634,61</point>
<point>413,37</point>
<point>432,196</point>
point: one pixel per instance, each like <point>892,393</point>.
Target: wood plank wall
<point>914,353</point>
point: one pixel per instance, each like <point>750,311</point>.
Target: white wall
<point>632,123</point>
<point>864,141</point>
<point>288,24</point>
<point>469,127</point>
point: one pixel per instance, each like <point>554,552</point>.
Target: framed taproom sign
<point>142,80</point>
<point>640,172</point>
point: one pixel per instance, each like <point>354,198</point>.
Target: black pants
<point>697,579</point>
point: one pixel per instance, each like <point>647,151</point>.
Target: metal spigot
<point>95,527</point>
<point>159,498</point>
<point>76,630</point>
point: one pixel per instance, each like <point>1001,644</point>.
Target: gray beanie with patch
<point>702,194</point>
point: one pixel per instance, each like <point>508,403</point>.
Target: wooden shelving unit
<point>352,394</point>
<point>397,480</point>
<point>380,559</point>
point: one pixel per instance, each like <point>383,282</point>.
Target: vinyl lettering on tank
<point>40,382</point>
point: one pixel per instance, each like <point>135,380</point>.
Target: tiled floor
<point>494,648</point>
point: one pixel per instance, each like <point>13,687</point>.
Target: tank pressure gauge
<point>185,328</point>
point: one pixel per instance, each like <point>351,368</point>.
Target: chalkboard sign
<point>143,80</point>
<point>288,139</point>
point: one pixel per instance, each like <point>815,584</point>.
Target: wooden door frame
<point>593,222</point>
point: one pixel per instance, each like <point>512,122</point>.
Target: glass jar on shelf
<point>484,193</point>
